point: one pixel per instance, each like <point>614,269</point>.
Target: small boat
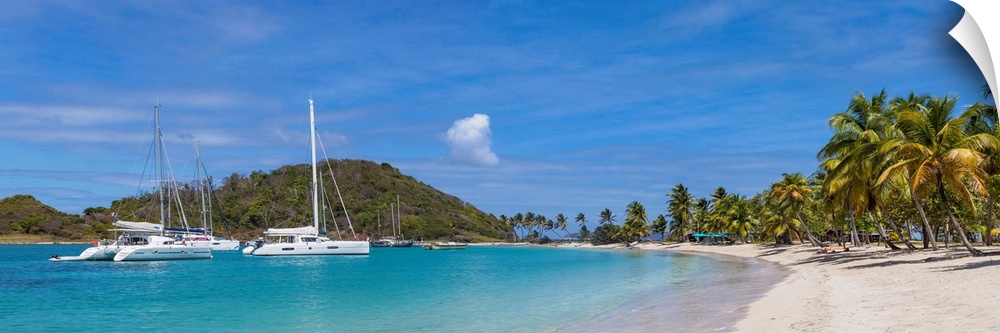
<point>397,228</point>
<point>445,246</point>
<point>388,242</point>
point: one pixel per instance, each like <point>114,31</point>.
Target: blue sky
<point>543,106</point>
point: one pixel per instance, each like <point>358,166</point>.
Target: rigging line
<point>349,224</point>
<point>326,203</point>
<point>170,176</point>
<point>138,190</point>
<point>135,163</point>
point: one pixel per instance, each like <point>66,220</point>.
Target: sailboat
<point>153,244</point>
<point>142,241</point>
<point>307,240</point>
<point>397,229</point>
<point>104,250</point>
<point>204,236</point>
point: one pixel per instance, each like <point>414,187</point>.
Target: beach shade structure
<point>711,238</point>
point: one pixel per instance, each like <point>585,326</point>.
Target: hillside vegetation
<point>24,215</point>
<point>245,205</point>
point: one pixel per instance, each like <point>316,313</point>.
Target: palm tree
<point>636,223</point>
<point>983,119</point>
<point>581,219</point>
<point>791,193</point>
<point>942,156</point>
<point>607,217</point>
<point>517,221</point>
<point>775,223</point>
<point>660,226</point>
<point>740,216</point>
<point>680,207</point>
<point>528,223</point>
<point>852,159</point>
<point>562,223</point>
<point>702,215</point>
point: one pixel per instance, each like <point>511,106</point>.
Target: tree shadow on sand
<point>899,257</point>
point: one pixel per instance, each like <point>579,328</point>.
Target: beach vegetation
<point>605,234</point>
<point>680,207</point>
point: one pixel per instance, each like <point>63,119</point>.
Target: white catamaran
<point>143,241</point>
<point>157,246</point>
<point>307,240</point>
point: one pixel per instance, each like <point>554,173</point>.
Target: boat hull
<point>93,253</point>
<point>163,252</point>
<point>445,246</point>
<point>219,245</point>
<point>314,248</point>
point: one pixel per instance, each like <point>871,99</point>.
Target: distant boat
<point>307,240</point>
<point>399,240</point>
<point>445,246</point>
<point>204,236</point>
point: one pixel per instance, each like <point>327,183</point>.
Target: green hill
<point>24,215</point>
<point>281,198</point>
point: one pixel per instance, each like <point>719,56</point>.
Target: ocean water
<point>480,289</point>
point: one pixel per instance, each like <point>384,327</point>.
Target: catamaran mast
<point>315,186</point>
<point>159,161</point>
<point>201,187</point>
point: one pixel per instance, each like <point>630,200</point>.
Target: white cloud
<point>470,141</point>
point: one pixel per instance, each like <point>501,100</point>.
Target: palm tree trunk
<point>988,238</point>
<point>928,231</point>
<point>812,239</point>
<point>854,231</point>
<point>904,237</point>
<point>954,222</point>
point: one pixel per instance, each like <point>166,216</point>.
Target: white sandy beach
<point>869,290</point>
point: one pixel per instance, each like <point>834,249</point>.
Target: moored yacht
<point>307,240</point>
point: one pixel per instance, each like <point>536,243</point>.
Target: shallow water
<point>480,289</point>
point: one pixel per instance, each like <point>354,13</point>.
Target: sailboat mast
<point>315,187</point>
<point>201,187</point>
<point>159,162</point>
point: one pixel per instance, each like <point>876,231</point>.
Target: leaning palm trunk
<point>954,222</point>
<point>923,218</point>
<point>895,228</point>
<point>812,239</point>
<point>854,232</point>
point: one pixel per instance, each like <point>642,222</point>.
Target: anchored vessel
<point>306,240</point>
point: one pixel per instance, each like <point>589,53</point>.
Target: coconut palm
<point>852,159</point>
<point>660,226</point>
<point>581,219</point>
<point>680,208</point>
<point>607,217</point>
<point>636,223</point>
<point>777,224</point>
<point>791,193</point>
<point>741,216</point>
<point>562,223</point>
<point>983,119</point>
<point>942,156</point>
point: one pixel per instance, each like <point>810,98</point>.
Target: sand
<point>869,289</point>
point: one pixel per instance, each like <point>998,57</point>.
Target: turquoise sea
<point>480,289</point>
